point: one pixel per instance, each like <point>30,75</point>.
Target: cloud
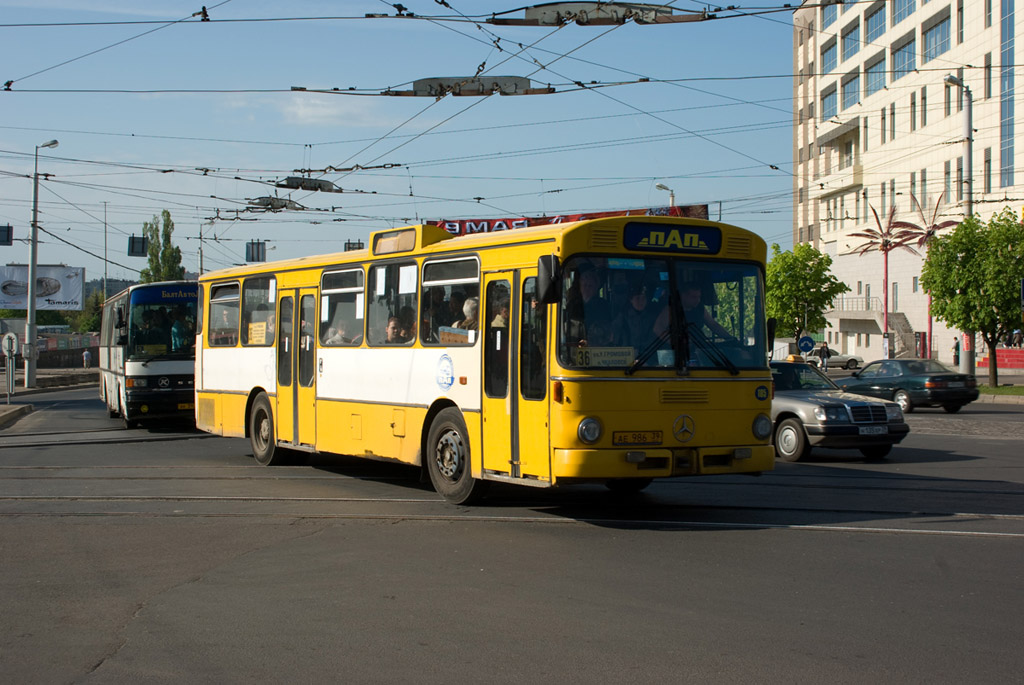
<point>311,109</point>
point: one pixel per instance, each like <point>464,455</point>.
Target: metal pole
<point>967,358</point>
<point>31,350</point>
<point>104,251</point>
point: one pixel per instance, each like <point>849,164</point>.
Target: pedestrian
<point>1018,337</point>
<point>956,352</point>
<point>823,353</point>
<point>86,358</point>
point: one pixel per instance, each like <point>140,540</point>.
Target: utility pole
<point>967,359</point>
<point>104,251</point>
<point>31,349</point>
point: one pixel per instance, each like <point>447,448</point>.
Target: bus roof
<point>423,239</point>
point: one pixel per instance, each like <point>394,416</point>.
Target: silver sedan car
<point>809,410</point>
<point>838,361</point>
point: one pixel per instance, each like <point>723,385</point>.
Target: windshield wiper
<point>712,350</point>
<point>647,352</point>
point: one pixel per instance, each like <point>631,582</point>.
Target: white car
<point>837,360</point>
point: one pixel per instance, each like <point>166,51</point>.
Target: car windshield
<point>800,377</point>
<point>656,313</point>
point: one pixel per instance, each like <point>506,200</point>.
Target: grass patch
<point>1001,390</point>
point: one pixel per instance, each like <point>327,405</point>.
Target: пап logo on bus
<point>662,238</point>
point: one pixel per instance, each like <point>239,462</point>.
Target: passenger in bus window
<point>635,326</point>
<point>500,319</point>
<point>393,332</point>
<point>407,323</point>
<point>456,302</point>
<point>179,331</point>
<point>690,296</point>
<point>470,310</point>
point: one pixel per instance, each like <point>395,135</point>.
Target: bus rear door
<point>296,360</point>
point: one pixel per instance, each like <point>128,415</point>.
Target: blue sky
<point>705,124</point>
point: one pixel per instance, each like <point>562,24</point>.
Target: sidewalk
<point>47,380</point>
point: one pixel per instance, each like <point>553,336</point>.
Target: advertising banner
<point>471,226</point>
<point>57,287</point>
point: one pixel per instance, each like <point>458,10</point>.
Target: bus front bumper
<point>600,464</point>
<point>145,405</point>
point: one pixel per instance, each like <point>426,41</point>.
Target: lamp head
<point>662,186</point>
<point>953,80</point>
<point>49,143</point>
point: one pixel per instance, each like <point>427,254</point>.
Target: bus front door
<point>296,365</point>
<point>514,411</point>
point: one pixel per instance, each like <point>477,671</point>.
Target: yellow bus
<point>613,350</point>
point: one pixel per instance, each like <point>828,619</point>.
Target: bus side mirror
<point>120,317</point>
<point>772,323</point>
<point>549,275</point>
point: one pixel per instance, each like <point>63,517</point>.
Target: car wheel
<point>903,399</point>
<point>790,441</point>
<point>851,364</point>
<point>952,408</point>
<point>876,452</point>
<point>448,459</point>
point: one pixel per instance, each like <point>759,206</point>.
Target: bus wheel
<point>448,459</point>
<point>625,486</point>
<point>261,433</point>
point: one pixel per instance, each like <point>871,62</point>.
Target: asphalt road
<point>169,556</point>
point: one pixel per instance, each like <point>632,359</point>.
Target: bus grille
<point>683,396</point>
<point>869,413</point>
<point>604,239</point>
<point>737,246</point>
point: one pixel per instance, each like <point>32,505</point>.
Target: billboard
<point>471,226</point>
<point>57,287</point>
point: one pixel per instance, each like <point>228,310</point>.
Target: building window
<point>988,14</point>
<point>851,91</point>
<point>828,58</point>
<point>892,192</point>
<point>874,24</point>
<point>988,75</point>
<point>959,21</point>
<point>936,40</point>
<point>867,338</point>
<point>882,195</point>
<point>946,106</point>
<point>959,179</point>
<point>829,102</point>
<point>860,287</point>
<point>1006,36</point>
<point>924,188</point>
<point>828,16</point>
<point>892,121</point>
<point>851,41</point>
<point>874,76</point>
<point>924,106</point>
<point>960,91</point>
<point>947,179</point>
<point>847,160</point>
<point>865,136</point>
<point>987,170</point>
<point>883,126</point>
<point>913,111</point>
<point>901,9</point>
<point>915,284</point>
<point>800,195</point>
<point>913,184</point>
<point>904,59</point>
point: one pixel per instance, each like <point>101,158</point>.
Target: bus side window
<point>224,315</point>
<point>532,344</point>
<point>496,354</point>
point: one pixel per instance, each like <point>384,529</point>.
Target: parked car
<point>838,361</point>
<point>914,383</point>
<point>809,410</point>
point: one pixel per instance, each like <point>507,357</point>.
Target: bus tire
<point>261,433</point>
<point>448,459</point>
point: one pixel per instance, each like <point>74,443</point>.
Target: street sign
<point>806,344</point>
<point>10,344</point>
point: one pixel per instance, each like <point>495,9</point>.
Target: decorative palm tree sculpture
<point>927,230</point>
<point>893,235</point>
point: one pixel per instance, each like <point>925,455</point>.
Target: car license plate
<point>636,438</point>
<point>956,384</point>
<point>874,430</point>
<point>186,405</point>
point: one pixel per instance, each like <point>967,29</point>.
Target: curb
<point>1001,399</point>
<point>13,414</point>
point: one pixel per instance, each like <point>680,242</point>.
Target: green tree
<point>800,289</point>
<point>44,317</point>
<point>973,274</point>
<point>164,257</point>
<point>88,320</point>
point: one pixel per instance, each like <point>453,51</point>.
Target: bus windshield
<point>661,313</point>
<point>162,322</point>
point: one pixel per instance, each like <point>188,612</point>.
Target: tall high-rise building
<point>880,100</point>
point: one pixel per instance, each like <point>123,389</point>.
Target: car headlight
<point>762,426</point>
<point>589,430</point>
<point>831,413</point>
<point>893,412</point>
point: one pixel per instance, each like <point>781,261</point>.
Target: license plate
<point>956,384</point>
<point>874,430</point>
<point>636,438</point>
<point>186,405</point>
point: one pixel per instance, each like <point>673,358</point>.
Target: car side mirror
<point>855,374</point>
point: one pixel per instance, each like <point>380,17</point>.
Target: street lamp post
<point>31,351</point>
<point>671,193</point>
<point>967,361</point>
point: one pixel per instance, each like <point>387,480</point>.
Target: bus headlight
<point>762,426</point>
<point>136,382</point>
<point>589,430</point>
